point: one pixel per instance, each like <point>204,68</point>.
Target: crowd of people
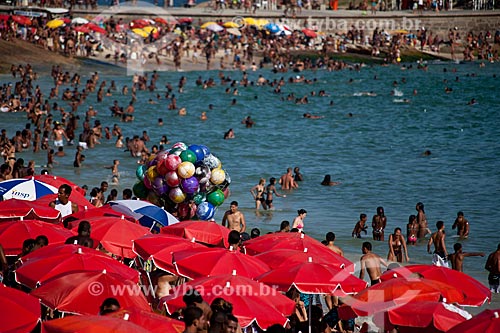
<point>253,47</point>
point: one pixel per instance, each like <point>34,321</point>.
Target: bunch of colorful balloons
<point>188,181</point>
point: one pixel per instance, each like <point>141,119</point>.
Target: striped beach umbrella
<point>25,189</point>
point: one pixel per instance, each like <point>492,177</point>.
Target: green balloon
<point>140,190</point>
<point>216,197</point>
<point>199,198</point>
<point>188,156</point>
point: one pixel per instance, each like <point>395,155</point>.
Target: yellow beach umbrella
<point>231,24</point>
<point>150,29</point>
<point>206,24</point>
<point>250,21</point>
<point>140,32</point>
<point>261,22</point>
<point>53,24</point>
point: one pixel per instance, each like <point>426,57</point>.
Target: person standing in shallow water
<point>423,227</point>
<point>379,221</point>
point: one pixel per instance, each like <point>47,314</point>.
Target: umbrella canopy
<point>153,322</point>
<point>313,278</point>
<point>36,272</point>
<point>141,23</point>
<point>115,234</point>
<point>395,292</point>
<point>20,312</point>
<point>105,210</point>
<point>160,20</point>
<point>91,324</point>
<point>206,24</point>
<point>13,234</point>
<point>16,209</point>
<point>140,32</point>
<point>202,231</point>
<point>231,24</point>
<point>196,263</point>
<point>23,20</point>
<point>25,189</point>
<point>94,27</point>
<point>149,215</point>
<point>285,257</point>
<point>252,301</point>
<point>250,21</point>
<point>309,33</point>
<point>58,250</point>
<point>57,181</point>
<point>272,27</point>
<point>185,20</point>
<point>295,241</point>
<point>160,249</point>
<point>79,20</point>
<point>487,321</point>
<point>476,293</point>
<point>56,23</point>
<point>214,27</point>
<point>261,22</point>
<point>84,292</point>
<point>234,31</point>
<point>430,317</point>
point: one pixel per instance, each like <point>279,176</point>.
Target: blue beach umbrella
<point>146,213</point>
<point>25,189</point>
<point>272,27</point>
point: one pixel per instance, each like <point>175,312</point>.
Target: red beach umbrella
<point>57,181</point>
<point>428,317</point>
<point>476,293</point>
<point>91,324</point>
<point>160,248</point>
<point>102,211</point>
<point>58,250</point>
<point>35,272</point>
<point>151,321</point>
<point>20,312</point>
<point>487,321</point>
<point>16,209</point>
<point>13,234</point>
<point>295,241</point>
<point>84,292</point>
<point>252,301</point>
<point>94,27</point>
<point>115,234</point>
<point>82,29</point>
<point>395,292</point>
<point>309,33</point>
<point>23,20</point>
<point>285,257</point>
<point>313,278</point>
<point>196,263</point>
<point>202,231</point>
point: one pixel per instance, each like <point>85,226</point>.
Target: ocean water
<point>376,153</point>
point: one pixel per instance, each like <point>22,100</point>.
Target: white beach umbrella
<point>79,20</point>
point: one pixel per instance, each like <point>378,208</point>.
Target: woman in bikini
<point>423,227</point>
<point>397,245</point>
<point>412,230</point>
<point>298,222</point>
<point>270,190</point>
<point>258,194</point>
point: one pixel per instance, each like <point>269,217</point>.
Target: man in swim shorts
<point>58,133</point>
<point>493,266</point>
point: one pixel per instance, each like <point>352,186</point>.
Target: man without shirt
<point>372,263</point>
<point>440,254</point>
<point>234,219</point>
